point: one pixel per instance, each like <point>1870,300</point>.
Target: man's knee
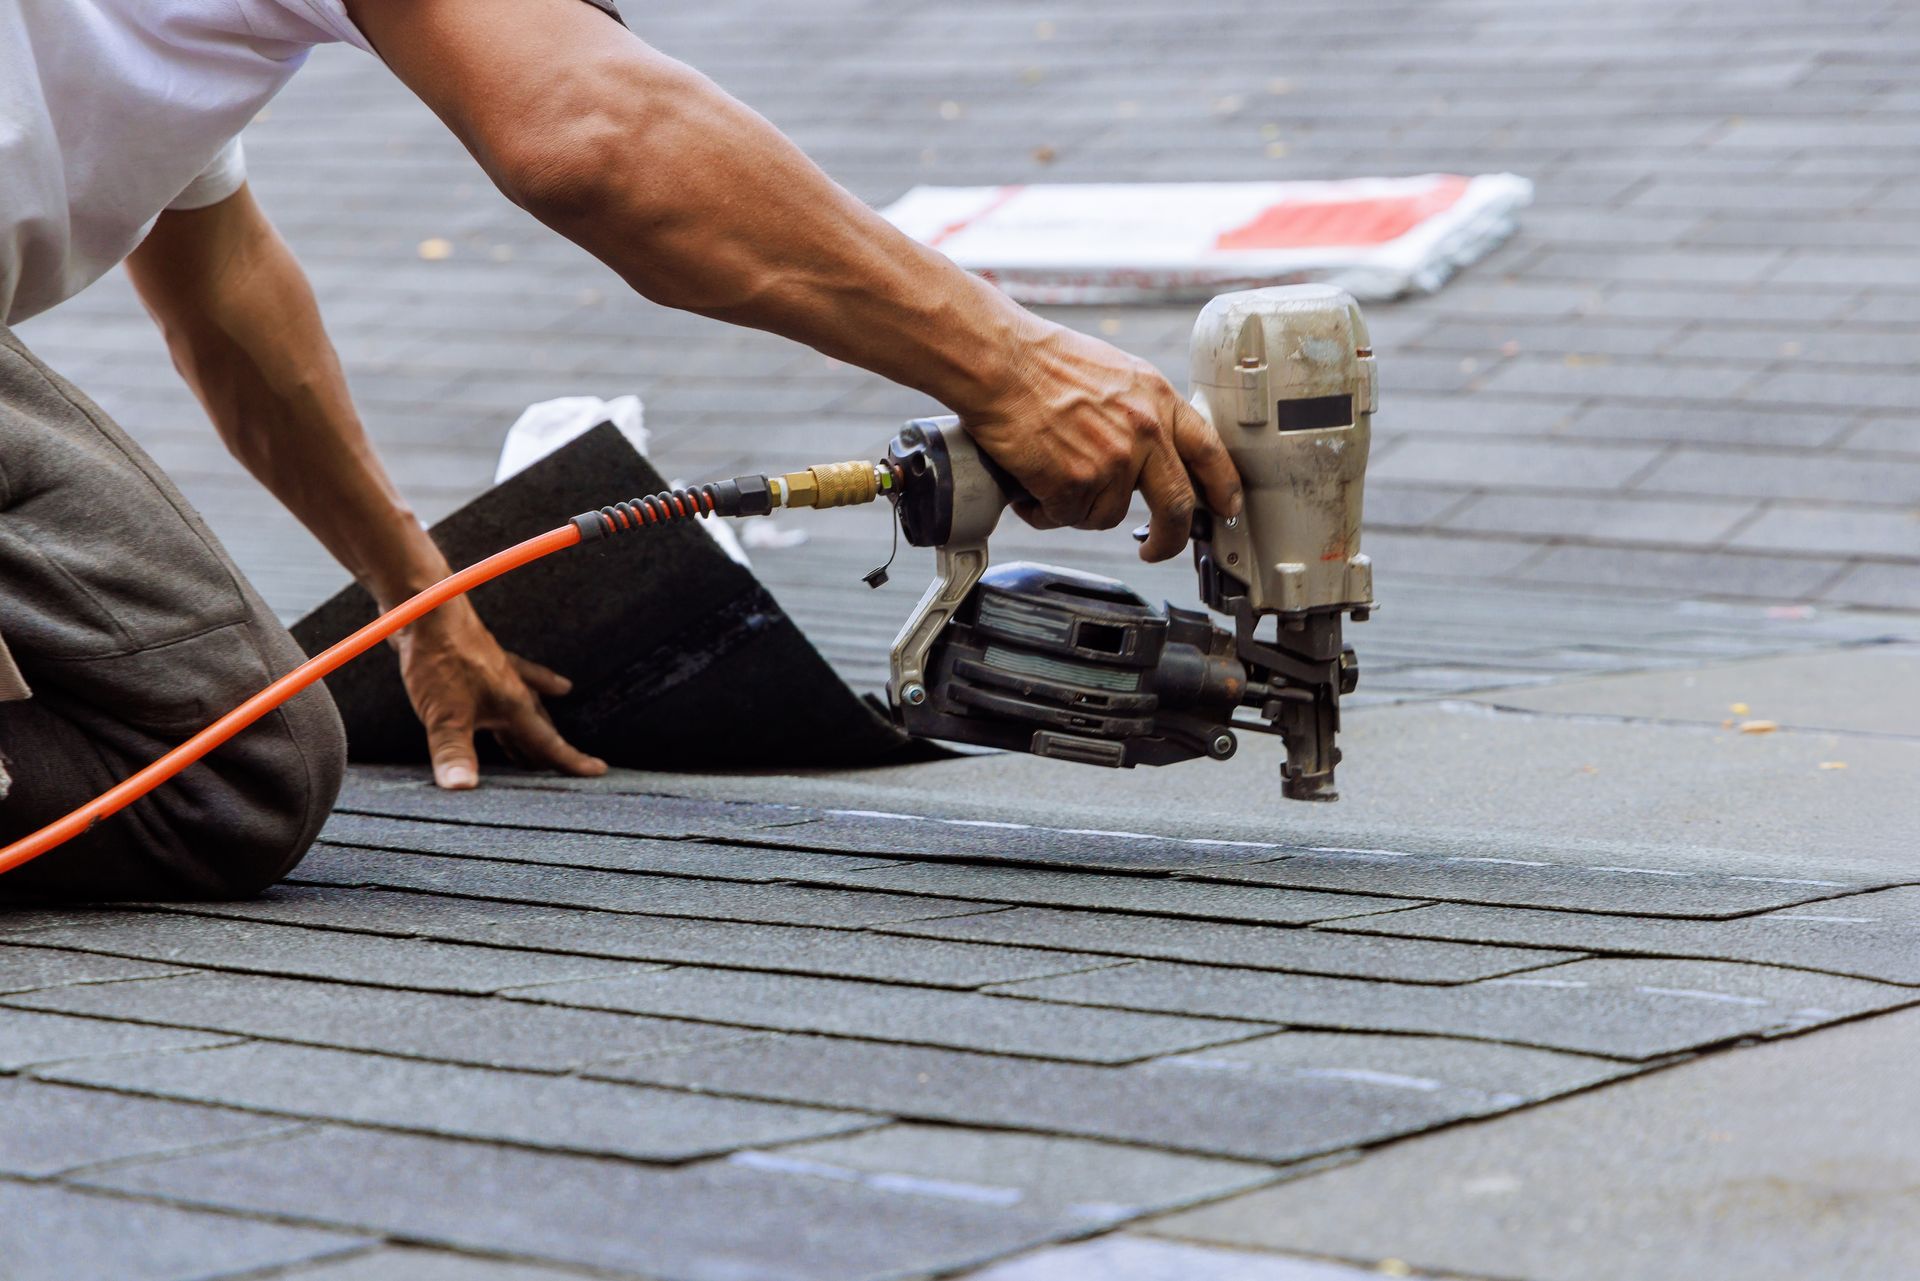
<point>305,756</point>
<point>248,820</point>
<point>228,827</point>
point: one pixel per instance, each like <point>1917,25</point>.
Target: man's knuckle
<point>1081,473</point>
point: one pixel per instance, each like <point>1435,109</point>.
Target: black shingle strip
<point>1628,887</point>
<point>46,1130</point>
<point>1511,877</point>
<point>1159,896</point>
<point>28,1039</point>
<point>690,1222</point>
<point>165,944</point>
<point>720,678</point>
<point>1869,936</point>
<point>534,1110</point>
<point>77,1234</point>
<point>618,891</point>
<point>1330,1101</point>
<point>759,945</point>
<point>679,857</point>
<point>1260,947</point>
<point>1629,1009</point>
<point>1080,1178</point>
<point>879,835</point>
<point>476,1031</point>
<point>885,1012</point>
<point>28,969</point>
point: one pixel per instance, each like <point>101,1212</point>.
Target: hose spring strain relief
<point>652,509</point>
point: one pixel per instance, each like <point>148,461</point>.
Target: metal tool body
<point>1287,377</point>
<point>1078,667</point>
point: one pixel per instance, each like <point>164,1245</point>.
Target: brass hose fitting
<point>833,485</point>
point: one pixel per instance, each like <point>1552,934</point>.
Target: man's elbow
<point>589,148</point>
<point>566,174</point>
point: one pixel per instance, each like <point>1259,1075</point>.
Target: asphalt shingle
<point>396,1264</point>
<point>617,891</point>
<point>1870,936</point>
<point>1204,1102</point>
<point>1130,1258</point>
<point>79,1234</point>
<point>46,1130</point>
<point>28,1038</point>
<point>1072,1178</point>
<point>1160,896</point>
<point>1523,882</point>
<point>682,1223</point>
<point>1501,1075</point>
<point>836,953</point>
<point>476,1030</point>
<point>1629,1009</point>
<point>579,849</point>
<point>107,941</point>
<point>532,1110</point>
<point>1260,947</point>
<point>28,969</point>
<point>889,1012</point>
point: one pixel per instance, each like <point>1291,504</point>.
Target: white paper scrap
<point>544,427</point>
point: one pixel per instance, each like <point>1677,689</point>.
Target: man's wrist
<point>407,564</point>
<point>983,349</point>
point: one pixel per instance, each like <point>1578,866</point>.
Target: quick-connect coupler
<point>832,485</point>
<point>825,485</point>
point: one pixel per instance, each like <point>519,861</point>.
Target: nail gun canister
<point>1287,377</point>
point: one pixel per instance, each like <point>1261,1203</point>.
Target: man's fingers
<point>1112,506</point>
<point>1035,515</point>
<point>450,747</point>
<point>1170,498</point>
<point>542,680</point>
<point>530,735</point>
<point>1207,459</point>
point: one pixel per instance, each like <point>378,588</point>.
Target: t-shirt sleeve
<point>330,16</point>
<point>328,20</point>
<point>217,181</point>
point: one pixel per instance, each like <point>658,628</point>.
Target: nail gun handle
<point>1012,490</point>
<point>949,490</point>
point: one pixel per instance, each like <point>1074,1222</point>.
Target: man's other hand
<point>1082,425</point>
<point>461,681</point>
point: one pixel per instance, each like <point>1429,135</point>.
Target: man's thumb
<point>455,765</point>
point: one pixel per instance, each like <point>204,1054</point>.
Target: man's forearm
<point>750,231</point>
<point>694,198</point>
<point>242,325</point>
<point>701,204</point>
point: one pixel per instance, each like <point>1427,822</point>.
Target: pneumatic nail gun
<point>1080,667</point>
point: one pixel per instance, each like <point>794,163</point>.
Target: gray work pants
<point>134,629</point>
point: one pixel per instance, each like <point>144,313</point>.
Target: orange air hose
<point>126,793</point>
<point>827,485</point>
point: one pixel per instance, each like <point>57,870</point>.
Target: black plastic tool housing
<point>1080,667</point>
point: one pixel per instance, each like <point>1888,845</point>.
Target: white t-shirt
<point>114,110</point>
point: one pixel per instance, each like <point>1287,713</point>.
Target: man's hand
<point>243,327</point>
<point>460,680</point>
<point>1085,425</point>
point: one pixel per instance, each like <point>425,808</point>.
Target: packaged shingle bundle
<point>1377,238</point>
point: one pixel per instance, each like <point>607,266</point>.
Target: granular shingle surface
<point>1657,455</point>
